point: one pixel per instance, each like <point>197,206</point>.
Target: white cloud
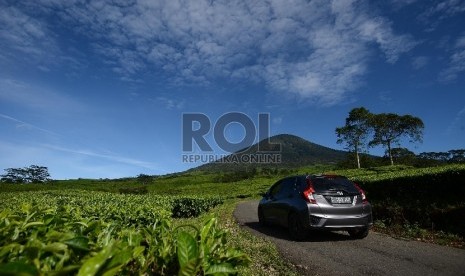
<point>439,11</point>
<point>379,31</point>
<point>456,64</point>
<point>26,35</point>
<point>110,157</point>
<point>446,8</point>
<point>170,103</point>
<point>402,3</point>
<point>317,50</point>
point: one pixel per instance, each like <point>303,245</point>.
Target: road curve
<point>336,254</point>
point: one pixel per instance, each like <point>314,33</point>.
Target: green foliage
<point>205,251</point>
<point>250,174</point>
<point>144,179</point>
<point>83,233</point>
<point>236,176</point>
<point>186,207</point>
<point>355,132</point>
<point>389,128</point>
<point>134,190</point>
<point>404,195</point>
<point>140,231</point>
<point>401,156</point>
<point>31,174</point>
<point>367,160</point>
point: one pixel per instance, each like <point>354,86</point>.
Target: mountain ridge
<point>294,152</point>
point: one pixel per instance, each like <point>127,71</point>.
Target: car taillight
<point>362,193</point>
<point>307,194</point>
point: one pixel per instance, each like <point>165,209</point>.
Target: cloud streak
<point>110,157</point>
<point>22,124</point>
<point>66,163</point>
<point>456,63</point>
<point>316,51</point>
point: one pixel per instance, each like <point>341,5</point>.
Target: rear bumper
<point>340,222</point>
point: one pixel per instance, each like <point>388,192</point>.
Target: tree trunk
<point>389,152</point>
<point>357,156</point>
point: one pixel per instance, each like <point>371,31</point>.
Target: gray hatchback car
<point>326,202</point>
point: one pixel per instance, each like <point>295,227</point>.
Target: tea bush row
<point>430,197</point>
<point>97,233</point>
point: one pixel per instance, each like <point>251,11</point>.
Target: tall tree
<point>389,128</point>
<point>355,132</point>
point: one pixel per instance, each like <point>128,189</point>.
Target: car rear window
<point>324,184</point>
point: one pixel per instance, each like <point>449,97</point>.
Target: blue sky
<point>97,89</point>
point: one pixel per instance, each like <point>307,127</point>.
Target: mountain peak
<point>294,151</point>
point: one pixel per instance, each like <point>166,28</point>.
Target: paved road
<point>335,253</point>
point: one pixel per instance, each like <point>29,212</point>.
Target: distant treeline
<point>407,157</point>
<point>452,156</point>
<point>249,173</point>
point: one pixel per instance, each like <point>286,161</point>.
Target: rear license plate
<point>341,199</point>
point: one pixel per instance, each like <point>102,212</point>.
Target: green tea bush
<point>92,233</point>
<point>424,197</point>
<point>134,190</point>
<point>186,207</point>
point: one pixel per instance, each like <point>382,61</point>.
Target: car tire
<point>297,230</point>
<point>261,217</point>
<point>359,233</point>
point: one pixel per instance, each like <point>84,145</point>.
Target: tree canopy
<point>31,174</point>
<point>385,129</point>
<point>389,128</point>
<point>355,132</point>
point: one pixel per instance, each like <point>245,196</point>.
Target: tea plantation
<point>182,223</point>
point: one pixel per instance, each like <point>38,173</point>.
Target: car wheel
<point>297,231</point>
<point>359,233</point>
<point>261,217</point>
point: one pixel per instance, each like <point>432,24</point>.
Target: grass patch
<point>415,232</point>
<point>265,258</point>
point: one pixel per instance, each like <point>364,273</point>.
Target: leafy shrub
<point>421,197</point>
<point>235,176</point>
<point>186,207</point>
<point>134,190</point>
<point>144,179</point>
<point>106,234</point>
<point>440,185</point>
<point>205,252</point>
